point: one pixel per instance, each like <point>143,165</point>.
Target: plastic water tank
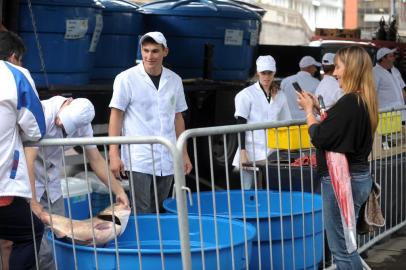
<point>117,49</point>
<point>209,39</point>
<point>78,196</point>
<point>68,33</point>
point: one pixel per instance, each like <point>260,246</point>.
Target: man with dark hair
<point>22,120</point>
<point>12,48</point>
<point>148,100</point>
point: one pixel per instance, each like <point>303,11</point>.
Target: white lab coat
<point>330,90</point>
<point>307,82</point>
<point>251,104</point>
<point>148,112</point>
<point>53,155</point>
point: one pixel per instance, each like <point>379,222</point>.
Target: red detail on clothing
<point>305,161</point>
<point>6,200</point>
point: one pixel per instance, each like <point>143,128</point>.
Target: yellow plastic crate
<point>389,122</point>
<point>296,140</point>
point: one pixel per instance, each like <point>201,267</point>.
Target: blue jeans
<point>361,184</point>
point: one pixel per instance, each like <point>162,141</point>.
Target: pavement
<point>388,254</point>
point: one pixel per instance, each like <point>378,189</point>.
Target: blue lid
<point>75,3</point>
<point>202,8</point>
<point>119,5</point>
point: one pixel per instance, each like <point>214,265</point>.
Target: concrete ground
<point>389,254</point>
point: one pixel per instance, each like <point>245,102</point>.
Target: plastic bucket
<point>150,246</point>
<point>78,197</point>
<point>295,232</point>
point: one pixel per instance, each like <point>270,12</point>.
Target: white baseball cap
<point>384,51</point>
<point>328,59</point>
<point>308,61</point>
<point>266,63</point>
<point>78,113</point>
<point>157,36</point>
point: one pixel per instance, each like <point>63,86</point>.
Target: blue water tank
<point>212,39</point>
<point>117,49</point>
<point>68,33</point>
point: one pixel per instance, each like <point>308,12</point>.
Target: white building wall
<point>316,13</point>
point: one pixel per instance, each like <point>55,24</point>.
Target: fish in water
<point>108,224</point>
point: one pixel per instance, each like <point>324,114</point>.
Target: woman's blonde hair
<point>358,78</point>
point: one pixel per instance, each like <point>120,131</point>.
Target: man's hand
<point>116,167</point>
<point>38,210</point>
<point>187,164</point>
<point>244,157</point>
<point>122,198</point>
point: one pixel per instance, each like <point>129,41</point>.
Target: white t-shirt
<point>148,112</point>
<point>389,86</point>
<point>251,104</point>
<point>307,82</point>
<point>54,154</point>
<point>330,90</point>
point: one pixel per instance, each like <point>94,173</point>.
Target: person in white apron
<point>260,102</point>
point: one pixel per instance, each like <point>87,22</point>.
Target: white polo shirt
<point>330,90</point>
<point>148,112</point>
<point>389,87</point>
<point>54,154</point>
<point>307,82</point>
<point>251,104</point>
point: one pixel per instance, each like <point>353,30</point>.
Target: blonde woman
<point>348,129</point>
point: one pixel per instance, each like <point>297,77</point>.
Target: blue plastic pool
<point>150,246</point>
<point>300,237</point>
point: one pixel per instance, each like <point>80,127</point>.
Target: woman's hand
<point>306,100</point>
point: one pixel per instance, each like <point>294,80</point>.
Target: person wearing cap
<point>148,100</point>
<point>22,120</point>
<point>260,102</point>
<point>389,83</point>
<point>64,118</point>
<point>308,67</point>
<point>329,88</point>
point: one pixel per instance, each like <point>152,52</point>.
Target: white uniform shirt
<point>148,112</point>
<point>389,86</point>
<point>307,82</point>
<point>22,119</point>
<point>251,104</point>
<point>330,90</point>
<point>54,154</point>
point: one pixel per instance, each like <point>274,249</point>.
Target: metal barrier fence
<point>278,224</point>
<point>290,238</point>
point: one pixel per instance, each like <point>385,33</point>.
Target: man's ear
<point>14,60</point>
<point>166,51</point>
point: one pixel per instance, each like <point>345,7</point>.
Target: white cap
<point>266,63</point>
<point>308,61</point>
<point>157,36</point>
<point>78,113</point>
<point>328,59</point>
<point>384,51</point>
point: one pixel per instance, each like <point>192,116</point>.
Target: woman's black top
<point>347,129</point>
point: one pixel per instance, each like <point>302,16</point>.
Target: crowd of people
<point>148,100</point>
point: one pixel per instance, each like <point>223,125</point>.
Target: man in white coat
<point>308,67</point>
<point>148,100</point>
<point>329,88</point>
<point>22,120</point>
<point>64,118</point>
<point>388,80</point>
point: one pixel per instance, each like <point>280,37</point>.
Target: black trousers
<point>16,226</point>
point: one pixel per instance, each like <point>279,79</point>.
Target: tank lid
<point>201,8</point>
<point>119,5</point>
<point>75,3</point>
